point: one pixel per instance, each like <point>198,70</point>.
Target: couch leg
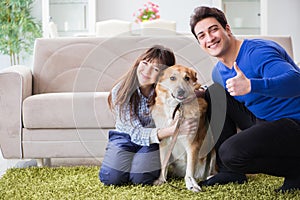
<point>42,162</point>
<point>47,162</point>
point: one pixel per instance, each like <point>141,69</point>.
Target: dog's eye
<point>172,78</point>
<point>187,78</point>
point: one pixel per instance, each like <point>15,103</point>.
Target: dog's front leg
<point>164,169</point>
<point>190,182</point>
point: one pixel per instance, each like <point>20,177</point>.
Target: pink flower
<point>150,11</point>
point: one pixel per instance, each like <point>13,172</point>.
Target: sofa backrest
<point>93,64</point>
<point>284,41</point>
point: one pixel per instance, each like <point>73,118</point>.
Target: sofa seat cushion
<point>67,110</point>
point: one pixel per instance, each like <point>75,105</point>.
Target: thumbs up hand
<point>238,85</point>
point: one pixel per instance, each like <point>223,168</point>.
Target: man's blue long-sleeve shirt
<point>275,80</point>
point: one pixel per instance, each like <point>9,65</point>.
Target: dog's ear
<point>194,79</point>
<point>194,75</point>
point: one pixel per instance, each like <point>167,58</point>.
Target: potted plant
<point>18,28</point>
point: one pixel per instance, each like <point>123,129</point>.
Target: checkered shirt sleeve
<point>141,127</point>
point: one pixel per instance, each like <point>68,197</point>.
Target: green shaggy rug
<point>82,183</point>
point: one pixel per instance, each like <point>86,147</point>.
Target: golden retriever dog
<point>176,85</point>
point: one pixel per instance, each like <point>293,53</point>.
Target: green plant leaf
<point>18,28</point>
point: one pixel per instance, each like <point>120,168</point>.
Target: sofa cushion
<point>67,110</point>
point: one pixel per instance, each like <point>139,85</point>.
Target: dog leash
<point>174,139</point>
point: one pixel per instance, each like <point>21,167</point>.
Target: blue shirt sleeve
<point>284,85</point>
<point>279,75</point>
<point>216,76</point>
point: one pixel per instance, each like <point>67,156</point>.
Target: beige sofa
<point>58,108</point>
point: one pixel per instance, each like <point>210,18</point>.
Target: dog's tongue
<point>180,97</point>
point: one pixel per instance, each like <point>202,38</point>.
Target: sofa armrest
<point>15,86</point>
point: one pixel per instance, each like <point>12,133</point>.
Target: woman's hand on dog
<point>187,127</point>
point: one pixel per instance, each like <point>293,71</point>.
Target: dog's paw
<point>159,182</point>
<point>191,184</point>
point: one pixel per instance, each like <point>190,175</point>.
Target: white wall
<point>177,10</point>
<point>4,61</point>
<point>279,17</point>
<point>282,17</point>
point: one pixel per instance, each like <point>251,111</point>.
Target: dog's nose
<point>180,93</point>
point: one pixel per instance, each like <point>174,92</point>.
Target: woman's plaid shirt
<point>140,128</point>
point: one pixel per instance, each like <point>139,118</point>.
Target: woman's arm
<point>146,135</point>
<point>139,134</point>
<point>188,126</point>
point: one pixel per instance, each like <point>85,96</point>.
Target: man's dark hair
<point>203,12</point>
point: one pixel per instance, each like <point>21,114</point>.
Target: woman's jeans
<point>126,162</point>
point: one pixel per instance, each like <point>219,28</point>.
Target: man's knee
<point>232,157</point>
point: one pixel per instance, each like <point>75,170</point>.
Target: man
<point>262,99</point>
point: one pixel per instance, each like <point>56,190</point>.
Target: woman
<point>132,153</point>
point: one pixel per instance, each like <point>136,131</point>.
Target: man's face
<point>212,37</point>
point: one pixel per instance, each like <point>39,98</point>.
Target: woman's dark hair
<point>203,12</point>
<point>127,93</point>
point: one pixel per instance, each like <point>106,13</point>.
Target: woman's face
<point>147,72</point>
